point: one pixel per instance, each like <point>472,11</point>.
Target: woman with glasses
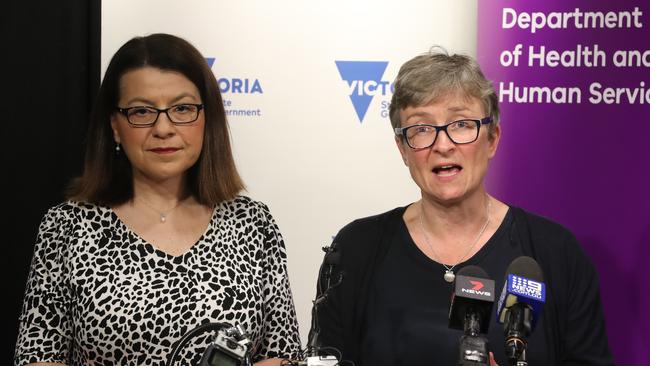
<point>389,304</point>
<point>155,240</point>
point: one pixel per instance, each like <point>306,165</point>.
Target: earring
<point>117,149</point>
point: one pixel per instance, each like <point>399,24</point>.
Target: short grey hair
<point>428,77</point>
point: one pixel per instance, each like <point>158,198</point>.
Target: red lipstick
<point>164,150</point>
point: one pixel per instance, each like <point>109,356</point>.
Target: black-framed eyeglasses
<point>422,136</point>
<point>144,116</point>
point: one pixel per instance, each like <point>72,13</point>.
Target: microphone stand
<point>518,327</point>
<point>331,259</point>
<point>312,339</point>
<point>473,347</point>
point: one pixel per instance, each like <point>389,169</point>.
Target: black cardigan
<point>574,326</point>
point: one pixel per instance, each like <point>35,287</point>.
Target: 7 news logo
<point>476,289</point>
<point>364,80</point>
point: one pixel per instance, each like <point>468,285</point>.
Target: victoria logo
<point>363,79</point>
<point>235,93</point>
<point>237,85</point>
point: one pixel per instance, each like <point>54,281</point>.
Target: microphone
<point>329,267</point>
<point>230,346</point>
<point>471,306</point>
<point>329,277</point>
<point>520,306</point>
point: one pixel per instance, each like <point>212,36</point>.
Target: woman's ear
<point>116,133</point>
<point>494,139</point>
<point>402,149</point>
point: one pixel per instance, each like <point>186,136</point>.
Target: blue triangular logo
<point>356,74</point>
<point>210,61</point>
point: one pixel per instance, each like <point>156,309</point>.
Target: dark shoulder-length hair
<point>107,178</point>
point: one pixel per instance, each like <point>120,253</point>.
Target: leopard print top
<point>97,293</point>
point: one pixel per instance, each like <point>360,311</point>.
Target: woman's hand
<point>492,361</point>
<point>271,362</point>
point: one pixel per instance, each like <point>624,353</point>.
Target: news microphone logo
<point>469,311</point>
<point>527,287</point>
<point>520,306</point>
<point>519,289</point>
<point>477,285</point>
<point>476,288</point>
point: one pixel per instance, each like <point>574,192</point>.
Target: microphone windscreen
<point>524,283</point>
<point>526,267</point>
<point>473,271</point>
<point>332,258</point>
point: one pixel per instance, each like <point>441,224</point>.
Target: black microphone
<point>329,277</point>
<point>329,273</point>
<point>471,306</point>
<point>520,306</point>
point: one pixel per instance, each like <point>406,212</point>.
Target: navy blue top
<point>392,305</point>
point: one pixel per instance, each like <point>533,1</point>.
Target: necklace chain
<point>449,273</point>
<point>163,215</point>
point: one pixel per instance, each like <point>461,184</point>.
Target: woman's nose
<point>163,126</point>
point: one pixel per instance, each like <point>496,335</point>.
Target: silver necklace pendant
<point>449,273</point>
<point>450,276</point>
<point>163,218</point>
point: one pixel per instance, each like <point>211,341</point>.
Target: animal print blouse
<point>97,293</point>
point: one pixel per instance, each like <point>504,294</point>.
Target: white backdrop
<point>303,148</point>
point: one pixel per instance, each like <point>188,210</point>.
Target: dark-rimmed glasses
<point>143,116</point>
<point>422,136</point>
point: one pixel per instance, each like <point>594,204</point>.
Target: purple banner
<point>573,78</point>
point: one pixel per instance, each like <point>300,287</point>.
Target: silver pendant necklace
<point>449,270</point>
<point>163,215</point>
